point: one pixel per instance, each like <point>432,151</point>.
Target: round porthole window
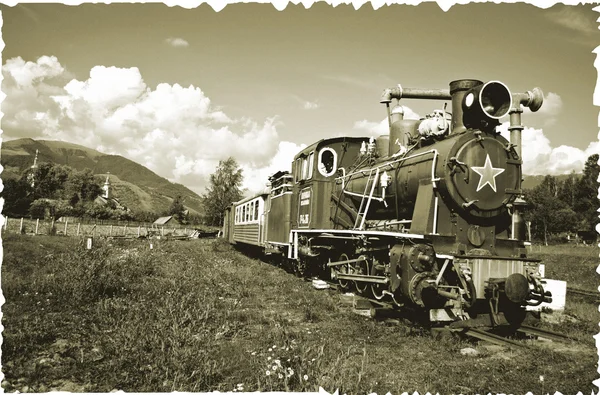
<point>327,161</point>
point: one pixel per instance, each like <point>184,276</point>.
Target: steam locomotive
<point>427,217</point>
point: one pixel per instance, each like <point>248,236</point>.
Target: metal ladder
<point>365,203</point>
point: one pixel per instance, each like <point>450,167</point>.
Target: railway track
<point>491,337</point>
<point>530,330</point>
<point>582,292</point>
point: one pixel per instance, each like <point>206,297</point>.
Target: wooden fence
<point>78,228</point>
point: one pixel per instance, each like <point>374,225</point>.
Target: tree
<point>17,197</point>
<point>82,184</point>
<point>53,208</point>
<point>586,194</point>
<point>224,189</point>
<point>178,210</point>
<point>49,180</point>
<point>547,212</point>
<point>567,189</point>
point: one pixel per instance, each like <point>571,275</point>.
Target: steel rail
<point>530,330</point>
<point>584,292</point>
<point>490,337</point>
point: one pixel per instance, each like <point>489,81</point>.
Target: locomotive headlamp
<point>469,100</point>
<point>485,104</point>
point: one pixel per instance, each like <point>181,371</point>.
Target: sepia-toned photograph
<point>308,198</point>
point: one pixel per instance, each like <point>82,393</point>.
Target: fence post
<point>21,226</point>
<point>125,230</point>
<point>110,231</point>
<point>6,223</point>
<point>139,228</point>
<point>66,223</point>
<point>78,225</point>
<point>37,225</point>
<point>94,231</point>
<point>162,231</point>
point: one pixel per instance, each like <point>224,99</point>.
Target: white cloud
<point>177,42</point>
<point>308,105</point>
<point>540,158</point>
<point>548,113</point>
<point>175,131</point>
<point>574,18</point>
<point>378,128</point>
<point>255,179</point>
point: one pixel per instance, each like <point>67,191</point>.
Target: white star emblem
<point>488,174</point>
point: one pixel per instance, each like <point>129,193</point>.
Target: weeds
<point>199,316</point>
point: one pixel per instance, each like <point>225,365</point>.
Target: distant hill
<point>530,182</point>
<point>133,184</point>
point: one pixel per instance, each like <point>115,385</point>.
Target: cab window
<point>327,161</point>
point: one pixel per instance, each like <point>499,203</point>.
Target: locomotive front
<point>454,183</point>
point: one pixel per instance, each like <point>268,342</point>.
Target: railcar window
<point>304,169</point>
<point>327,161</point>
<point>311,162</point>
<point>256,210</point>
<point>297,170</point>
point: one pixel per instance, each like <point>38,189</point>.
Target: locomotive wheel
<point>377,289</point>
<point>343,269</point>
<point>361,267</point>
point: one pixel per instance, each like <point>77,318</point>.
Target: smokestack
<point>458,89</point>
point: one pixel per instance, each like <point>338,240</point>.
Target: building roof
<point>163,220</point>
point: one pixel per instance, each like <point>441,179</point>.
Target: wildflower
<point>541,379</point>
<point>279,375</point>
<point>274,347</point>
<point>305,377</point>
<point>254,353</point>
<point>287,349</point>
<point>274,367</point>
<point>277,361</point>
<point>312,360</point>
<point>268,358</point>
<point>270,349</point>
<point>288,360</point>
<point>268,373</point>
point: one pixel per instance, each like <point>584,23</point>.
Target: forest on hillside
<point>54,191</point>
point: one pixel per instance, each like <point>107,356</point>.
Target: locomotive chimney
<point>458,90</point>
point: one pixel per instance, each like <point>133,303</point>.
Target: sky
<point>177,89</point>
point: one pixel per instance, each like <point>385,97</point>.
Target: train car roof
<point>322,142</point>
<point>244,200</point>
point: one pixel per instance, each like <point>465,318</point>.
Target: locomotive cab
<point>314,171</point>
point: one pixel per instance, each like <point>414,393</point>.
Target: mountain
<point>134,185</point>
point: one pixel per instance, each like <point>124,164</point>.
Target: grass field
<point>198,316</point>
<point>575,264</point>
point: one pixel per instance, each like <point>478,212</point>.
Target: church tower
<point>106,188</point>
<point>31,175</point>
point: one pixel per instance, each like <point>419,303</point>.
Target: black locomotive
<point>428,216</point>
